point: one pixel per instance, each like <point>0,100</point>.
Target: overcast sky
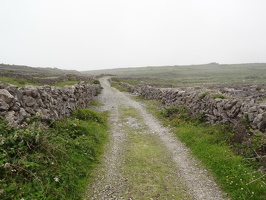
<point>100,34</point>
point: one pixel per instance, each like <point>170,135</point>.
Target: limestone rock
<point>3,105</point>
<point>6,96</point>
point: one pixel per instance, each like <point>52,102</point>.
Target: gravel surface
<point>109,182</point>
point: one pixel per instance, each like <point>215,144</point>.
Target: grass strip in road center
<point>148,167</point>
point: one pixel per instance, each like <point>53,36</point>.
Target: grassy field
<point>38,71</point>
<point>20,82</point>
<point>194,74</point>
<point>17,82</point>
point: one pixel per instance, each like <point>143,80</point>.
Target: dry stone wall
<point>46,101</point>
<point>248,103</point>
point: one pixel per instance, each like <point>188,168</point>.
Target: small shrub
<point>96,82</point>
<point>202,95</point>
<point>170,111</point>
<point>245,121</point>
<point>218,96</point>
<point>201,118</point>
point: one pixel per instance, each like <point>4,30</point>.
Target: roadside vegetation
<point>236,159</point>
<point>51,161</point>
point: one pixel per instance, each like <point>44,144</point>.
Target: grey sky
<point>98,34</point>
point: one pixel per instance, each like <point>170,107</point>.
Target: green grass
<point>65,83</point>
<point>117,85</point>
<point>130,81</point>
<point>96,103</point>
<point>230,162</point>
<point>218,96</point>
<point>150,172</point>
<point>17,82</point>
<point>52,162</point>
<point>232,172</point>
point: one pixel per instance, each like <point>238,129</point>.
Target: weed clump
<point>203,95</point>
<point>174,111</point>
<point>218,96</point>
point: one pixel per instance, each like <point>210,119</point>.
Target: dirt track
<point>115,180</point>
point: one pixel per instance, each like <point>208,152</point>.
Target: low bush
<point>96,82</point>
<point>174,111</point>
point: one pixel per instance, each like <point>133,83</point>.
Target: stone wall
<point>248,103</point>
<point>47,101</point>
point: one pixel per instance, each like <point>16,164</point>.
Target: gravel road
<point>109,181</point>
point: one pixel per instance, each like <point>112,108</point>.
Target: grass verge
<point>212,144</point>
<point>50,162</point>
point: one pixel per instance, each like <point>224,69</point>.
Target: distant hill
<point>37,71</point>
<point>186,74</point>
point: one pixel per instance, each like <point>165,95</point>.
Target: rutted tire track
<point>110,181</point>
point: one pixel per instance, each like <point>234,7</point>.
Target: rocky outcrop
<point>232,106</point>
<point>46,101</point>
